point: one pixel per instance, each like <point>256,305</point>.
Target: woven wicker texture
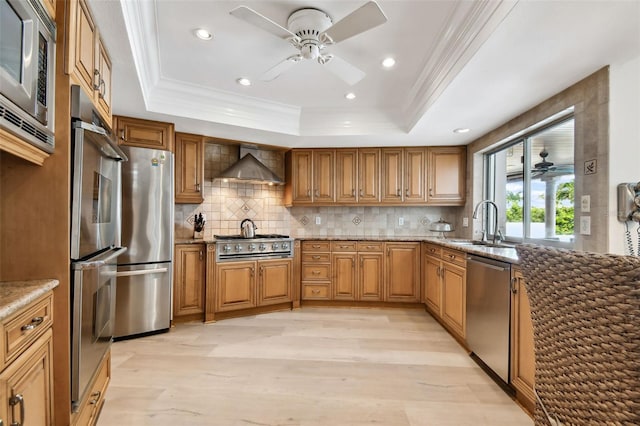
<point>585,309</point>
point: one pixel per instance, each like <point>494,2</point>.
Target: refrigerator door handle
<point>94,264</point>
<point>141,272</point>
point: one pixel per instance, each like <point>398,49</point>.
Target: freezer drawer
<point>143,298</point>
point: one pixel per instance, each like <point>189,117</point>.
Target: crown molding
<point>468,27</point>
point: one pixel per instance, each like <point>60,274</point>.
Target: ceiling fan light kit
<point>311,30</point>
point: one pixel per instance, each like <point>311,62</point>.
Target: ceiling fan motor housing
<point>308,24</point>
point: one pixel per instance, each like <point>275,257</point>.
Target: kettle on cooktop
<point>248,228</point>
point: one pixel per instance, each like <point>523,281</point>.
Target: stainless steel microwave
<point>27,72</point>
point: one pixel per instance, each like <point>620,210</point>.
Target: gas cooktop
<point>240,237</point>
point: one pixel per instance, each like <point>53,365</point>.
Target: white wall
<point>624,140</point>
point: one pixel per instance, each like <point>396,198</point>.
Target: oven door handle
<point>141,272</point>
<point>95,264</point>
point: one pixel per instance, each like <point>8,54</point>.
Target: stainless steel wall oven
<point>95,216</point>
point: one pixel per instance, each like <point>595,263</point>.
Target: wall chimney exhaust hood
<point>249,170</point>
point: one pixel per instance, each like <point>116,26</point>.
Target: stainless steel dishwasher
<point>488,312</point>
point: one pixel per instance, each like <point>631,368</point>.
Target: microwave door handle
<point>141,272</point>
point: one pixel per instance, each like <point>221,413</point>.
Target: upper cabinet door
<point>347,176</point>
<point>369,175</point>
<point>103,81</point>
<point>189,168</point>
<point>301,176</point>
<point>143,133</point>
<point>392,175</point>
<point>447,174</point>
<point>324,176</point>
<point>415,175</point>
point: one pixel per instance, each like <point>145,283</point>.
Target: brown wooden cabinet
<point>88,59</point>
<point>143,133</point>
<point>391,177</point>
<point>313,176</point>
<point>446,175</point>
<point>369,176</point>
<point>315,270</point>
<point>26,369</point>
<point>189,169</point>
<point>404,175</point>
<point>344,259</point>
<point>90,410</point>
<point>444,284</point>
<point>244,285</point>
<point>523,364</point>
<point>347,176</point>
<point>370,267</point>
<point>402,272</point>
<point>189,281</point>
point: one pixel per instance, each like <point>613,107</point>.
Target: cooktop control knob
<point>262,247</point>
<point>275,246</point>
<point>252,247</point>
<point>285,246</point>
<point>226,248</point>
<point>238,247</point>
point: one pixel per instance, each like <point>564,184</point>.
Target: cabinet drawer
<point>315,291</point>
<point>94,400</point>
<point>22,329</point>
<point>454,256</point>
<point>370,246</point>
<point>315,272</point>
<point>316,246</point>
<point>433,250</point>
<point>344,246</point>
<point>316,257</point>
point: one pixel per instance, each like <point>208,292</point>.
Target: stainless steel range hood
<point>249,170</point>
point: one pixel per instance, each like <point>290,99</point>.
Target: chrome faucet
<point>496,231</point>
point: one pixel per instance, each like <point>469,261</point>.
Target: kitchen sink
<point>480,243</point>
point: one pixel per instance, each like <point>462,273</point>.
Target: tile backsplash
<point>227,204</point>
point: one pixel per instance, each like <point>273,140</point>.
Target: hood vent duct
<point>249,170</point>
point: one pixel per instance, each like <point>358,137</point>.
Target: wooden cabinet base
<point>251,311</point>
<point>94,400</point>
<point>361,304</point>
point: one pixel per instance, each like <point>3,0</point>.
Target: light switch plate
<point>585,225</point>
<point>318,220</point>
<point>465,222</point>
<point>585,204</point>
<point>401,221</point>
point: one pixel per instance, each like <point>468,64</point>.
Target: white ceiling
<point>472,64</point>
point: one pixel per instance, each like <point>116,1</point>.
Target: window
<point>531,179</point>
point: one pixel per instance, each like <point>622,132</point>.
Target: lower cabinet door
<point>432,284</point>
<point>26,386</point>
<point>371,276</point>
<point>403,272</point>
<point>235,286</point>
<point>344,276</point>
<point>454,298</point>
<point>274,281</point>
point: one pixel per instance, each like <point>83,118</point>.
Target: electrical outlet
<point>585,225</point>
<point>465,222</point>
<point>400,221</point>
<point>585,204</point>
<point>318,220</point>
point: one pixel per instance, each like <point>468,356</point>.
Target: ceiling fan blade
<point>251,16</point>
<point>275,71</point>
<point>343,69</point>
<point>360,20</point>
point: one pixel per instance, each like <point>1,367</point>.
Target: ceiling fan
<point>311,30</point>
<point>545,167</point>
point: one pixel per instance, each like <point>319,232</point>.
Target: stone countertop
<point>505,254</point>
<point>15,295</point>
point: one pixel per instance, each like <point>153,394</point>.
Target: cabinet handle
<point>431,191</point>
<point>122,135</point>
<point>308,193</point>
<point>96,397</point>
<point>406,192</point>
<point>353,192</point>
<point>315,246</point>
<point>437,271</point>
<point>315,291</point>
<point>96,77</point>
<point>361,193</point>
<point>317,192</point>
<point>253,271</point>
<point>102,88</point>
<point>451,256</point>
<point>33,324</point>
<point>361,261</point>
<point>398,192</point>
<point>315,272</point>
<point>261,270</point>
<point>13,401</point>
<point>197,187</point>
<point>315,257</point>
<point>201,254</point>
<point>388,251</point>
<point>514,288</point>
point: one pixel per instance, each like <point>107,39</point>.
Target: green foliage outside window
<point>564,209</point>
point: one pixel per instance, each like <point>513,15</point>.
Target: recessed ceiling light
<point>350,96</point>
<point>244,81</point>
<point>388,62</point>
<point>461,130</point>
<point>203,34</point>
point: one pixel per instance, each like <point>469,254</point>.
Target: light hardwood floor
<point>308,367</point>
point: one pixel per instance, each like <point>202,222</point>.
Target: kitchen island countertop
<point>15,295</point>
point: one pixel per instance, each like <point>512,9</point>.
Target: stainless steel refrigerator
<point>145,272</point>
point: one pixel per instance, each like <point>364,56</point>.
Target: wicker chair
<point>585,309</point>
